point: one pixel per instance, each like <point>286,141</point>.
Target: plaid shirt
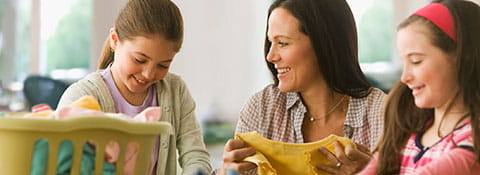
<point>279,116</point>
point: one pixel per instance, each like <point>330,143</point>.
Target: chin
<point>285,88</point>
<point>422,104</point>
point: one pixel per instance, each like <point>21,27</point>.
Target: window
<point>64,31</point>
<point>375,29</point>
<point>66,37</point>
<point>14,41</point>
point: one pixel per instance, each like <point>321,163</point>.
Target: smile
<point>142,82</point>
<point>416,89</point>
<point>283,70</point>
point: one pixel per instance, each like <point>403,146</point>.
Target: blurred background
<point>45,45</point>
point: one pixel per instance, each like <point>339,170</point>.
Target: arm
<point>457,161</point>
<point>191,149</point>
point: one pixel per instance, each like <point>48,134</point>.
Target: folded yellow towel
<point>279,158</point>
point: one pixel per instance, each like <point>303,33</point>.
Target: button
<point>164,145</point>
<point>167,108</point>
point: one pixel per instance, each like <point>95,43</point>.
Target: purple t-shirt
<point>122,105</point>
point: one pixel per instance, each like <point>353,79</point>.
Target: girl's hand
<point>347,160</point>
<point>235,151</point>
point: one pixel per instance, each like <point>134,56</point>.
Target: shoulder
<point>171,81</point>
<point>376,97</point>
<point>269,95</point>
<point>372,103</point>
<point>93,84</point>
<point>463,136</point>
<point>92,80</point>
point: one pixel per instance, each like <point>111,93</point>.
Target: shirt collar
<point>292,99</point>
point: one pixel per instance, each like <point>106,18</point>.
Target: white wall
<point>222,56</point>
<point>104,14</point>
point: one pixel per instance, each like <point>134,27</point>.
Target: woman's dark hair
<point>331,28</point>
<point>402,117</point>
<point>145,18</point>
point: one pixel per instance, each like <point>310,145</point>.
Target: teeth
<point>283,70</point>
<point>141,81</point>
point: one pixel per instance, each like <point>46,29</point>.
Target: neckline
<point>424,149</point>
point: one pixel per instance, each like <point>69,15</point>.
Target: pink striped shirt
<point>451,155</point>
<point>415,155</point>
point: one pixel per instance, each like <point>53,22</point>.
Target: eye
<point>282,44</point>
<point>139,60</point>
<point>416,61</point>
<point>162,66</point>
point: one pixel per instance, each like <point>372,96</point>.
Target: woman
<point>319,89</point>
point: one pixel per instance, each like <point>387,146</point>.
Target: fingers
<point>240,167</point>
<point>363,149</point>
<point>234,144</point>
<point>332,170</point>
<point>329,155</point>
<point>357,154</point>
<point>238,154</point>
<point>235,151</point>
<point>340,153</point>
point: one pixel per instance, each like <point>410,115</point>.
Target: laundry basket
<point>18,136</point>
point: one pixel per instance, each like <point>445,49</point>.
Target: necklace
<point>312,119</point>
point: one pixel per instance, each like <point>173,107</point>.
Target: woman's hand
<point>347,160</point>
<point>235,151</point>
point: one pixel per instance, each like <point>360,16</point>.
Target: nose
<point>272,55</point>
<point>406,75</point>
<point>149,72</point>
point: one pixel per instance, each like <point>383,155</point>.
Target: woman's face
<point>428,71</point>
<point>291,52</point>
<point>140,62</point>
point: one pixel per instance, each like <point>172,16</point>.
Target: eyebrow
<point>146,56</point>
<point>282,36</point>
<point>415,53</point>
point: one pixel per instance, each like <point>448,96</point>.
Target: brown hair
<point>145,18</point>
<point>331,28</point>
<point>402,118</point>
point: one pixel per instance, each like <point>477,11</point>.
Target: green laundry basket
<point>18,136</point>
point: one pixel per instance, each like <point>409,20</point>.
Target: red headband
<point>439,15</point>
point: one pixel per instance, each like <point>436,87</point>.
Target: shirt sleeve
<point>191,148</point>
<point>457,161</point>
<point>248,115</point>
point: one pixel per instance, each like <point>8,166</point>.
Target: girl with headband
<point>432,116</point>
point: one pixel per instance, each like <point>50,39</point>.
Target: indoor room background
<point>221,59</point>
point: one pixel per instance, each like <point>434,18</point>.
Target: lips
<point>416,89</point>
<point>140,82</point>
<point>283,70</point>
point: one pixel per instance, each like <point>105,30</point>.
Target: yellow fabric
<point>279,158</point>
<point>88,102</point>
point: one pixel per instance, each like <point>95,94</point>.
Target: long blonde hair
<point>145,18</point>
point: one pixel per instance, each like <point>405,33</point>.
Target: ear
<point>113,38</point>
